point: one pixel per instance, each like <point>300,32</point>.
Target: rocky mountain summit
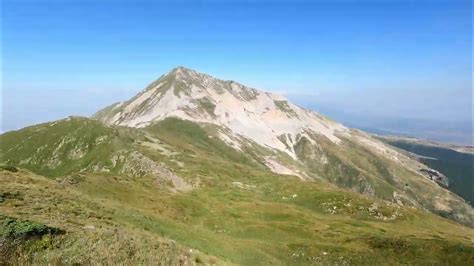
<point>267,119</point>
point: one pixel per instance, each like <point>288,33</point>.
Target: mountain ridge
<point>286,138</point>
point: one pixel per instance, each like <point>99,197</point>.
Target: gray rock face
<point>435,176</point>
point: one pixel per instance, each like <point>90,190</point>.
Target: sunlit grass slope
<point>86,210</point>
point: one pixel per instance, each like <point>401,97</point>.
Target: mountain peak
<point>184,72</point>
<point>180,69</point>
<point>243,113</point>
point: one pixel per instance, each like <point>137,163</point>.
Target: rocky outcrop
<point>436,176</point>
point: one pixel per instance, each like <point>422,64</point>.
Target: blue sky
<point>409,59</point>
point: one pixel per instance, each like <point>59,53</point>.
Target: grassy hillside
<point>233,210</point>
<point>361,168</point>
<point>66,146</point>
<point>263,219</point>
<point>53,221</point>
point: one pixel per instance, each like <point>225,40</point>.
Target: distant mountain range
<point>195,169</point>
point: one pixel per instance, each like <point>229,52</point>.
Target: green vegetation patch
<point>248,95</point>
<point>189,136</point>
<point>14,228</point>
<point>8,195</point>
<point>207,105</point>
<point>408,250</point>
<point>285,108</point>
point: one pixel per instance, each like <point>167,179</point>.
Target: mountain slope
<point>80,220</point>
<point>287,139</point>
<point>78,144</point>
<point>239,213</point>
<point>185,187</point>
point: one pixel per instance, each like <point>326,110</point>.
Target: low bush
<point>9,168</point>
<point>13,228</point>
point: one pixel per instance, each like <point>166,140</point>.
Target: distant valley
<point>456,162</point>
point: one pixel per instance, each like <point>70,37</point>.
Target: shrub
<point>13,228</point>
<point>9,168</point>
